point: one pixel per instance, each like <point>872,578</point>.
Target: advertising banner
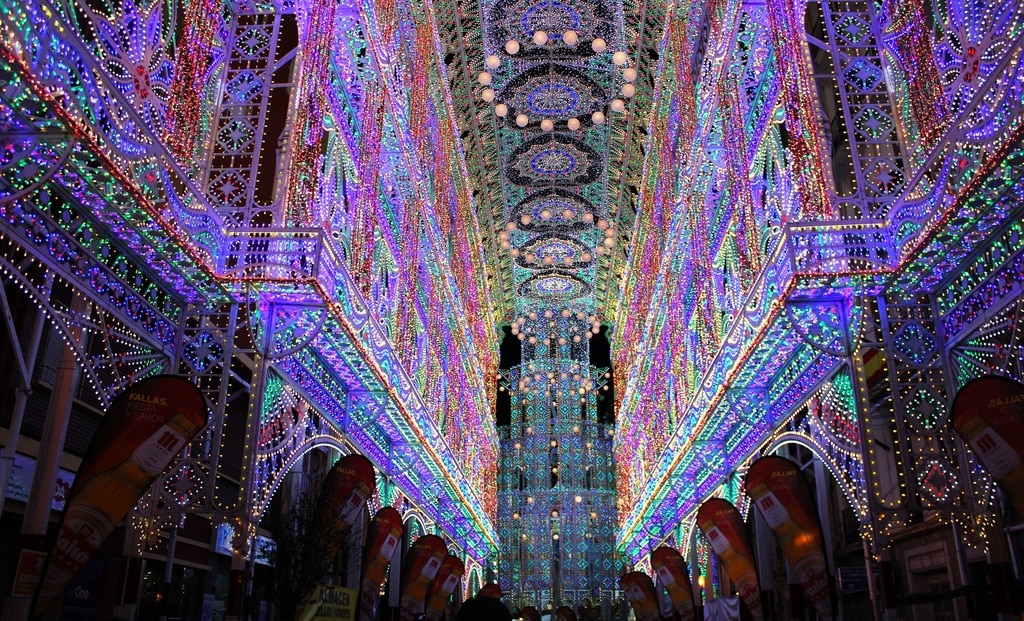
<point>344,492</point>
<point>723,527</point>
<point>445,583</point>
<point>670,567</point>
<point>783,498</point>
<point>330,603</point>
<point>420,568</point>
<point>639,590</point>
<point>143,430</point>
<point>382,541</point>
<point>988,413</point>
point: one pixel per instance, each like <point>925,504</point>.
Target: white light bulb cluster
<point>531,326</point>
<point>608,242</point>
<point>567,380</point>
<point>569,38</point>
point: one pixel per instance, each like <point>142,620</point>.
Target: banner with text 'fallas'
<point>418,572</point>
<point>382,541</point>
<point>639,590</point>
<point>782,496</point>
<point>144,429</point>
<point>445,582</point>
<point>723,527</point>
<point>349,483</point>
<point>988,413</point>
<point>670,567</point>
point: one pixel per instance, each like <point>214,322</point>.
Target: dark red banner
<point>564,613</point>
<point>783,498</point>
<point>723,527</point>
<point>418,573</point>
<point>144,429</point>
<point>447,580</point>
<point>491,590</point>
<point>382,541</point>
<point>670,567</point>
<point>988,413</point>
<point>350,482</point>
<point>639,590</point>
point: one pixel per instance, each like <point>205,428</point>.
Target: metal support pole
<point>26,367</point>
<point>51,445</point>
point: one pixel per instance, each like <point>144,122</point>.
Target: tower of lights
<point>556,490</point>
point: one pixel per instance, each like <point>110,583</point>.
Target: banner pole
<point>872,589</point>
<point>165,604</point>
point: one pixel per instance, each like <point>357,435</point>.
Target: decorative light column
<point>556,496</point>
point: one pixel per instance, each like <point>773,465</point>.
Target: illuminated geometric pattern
<point>554,287</point>
<point>545,160</point>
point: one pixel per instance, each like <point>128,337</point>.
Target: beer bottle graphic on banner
<point>739,567</point>
<point>998,457</point>
<point>809,567</point>
<point>105,499</point>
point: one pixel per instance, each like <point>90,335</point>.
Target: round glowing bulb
<point>493,62</point>
<point>597,117</point>
<point>547,125</point>
<point>586,256</point>
<point>609,242</point>
<point>510,226</point>
<point>570,37</point>
<point>515,252</point>
<point>598,45</point>
<point>512,47</point>
<point>501,109</point>
<point>602,224</point>
<point>540,37</point>
<point>526,219</point>
<point>588,218</point>
<point>618,105</point>
<point>629,74</point>
<point>545,214</point>
<point>505,244</point>
<point>628,90</point>
<point>522,120</point>
<point>484,78</point>
<point>568,214</point>
<point>620,58</point>
<point>573,124</point>
<point>487,95</point>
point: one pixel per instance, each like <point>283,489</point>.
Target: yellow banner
<point>331,603</point>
